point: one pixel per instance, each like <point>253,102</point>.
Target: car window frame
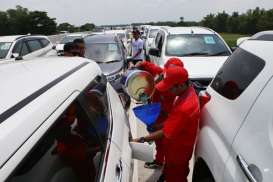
<point>33,39</point>
<point>233,60</point>
<point>79,99</point>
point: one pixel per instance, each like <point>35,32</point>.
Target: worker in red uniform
<point>166,100</point>
<point>180,127</point>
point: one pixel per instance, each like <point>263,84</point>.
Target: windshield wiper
<point>196,54</point>
<point>220,53</point>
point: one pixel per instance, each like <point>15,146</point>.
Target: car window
<point>17,47</point>
<point>4,49</point>
<point>196,44</point>
<point>153,33</point>
<point>24,50</point>
<point>73,148</point>
<point>160,42</point>
<point>237,73</point>
<point>103,52</point>
<point>34,45</point>
<point>44,42</point>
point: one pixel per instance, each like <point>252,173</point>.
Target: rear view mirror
<point>154,52</point>
<point>142,151</point>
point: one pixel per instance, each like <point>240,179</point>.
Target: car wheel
<point>201,172</point>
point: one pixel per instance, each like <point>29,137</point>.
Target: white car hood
<point>202,67</point>
<point>60,47</point>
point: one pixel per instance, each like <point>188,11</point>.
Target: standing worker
<point>166,100</point>
<point>180,127</point>
<point>137,48</point>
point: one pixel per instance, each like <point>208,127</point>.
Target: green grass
<point>231,38</point>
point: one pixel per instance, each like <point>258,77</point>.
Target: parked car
<point>60,121</point>
<point>235,137</point>
<point>151,33</point>
<point>24,46</point>
<point>123,35</point>
<point>67,38</point>
<point>108,51</point>
<point>202,50</point>
<point>110,54</point>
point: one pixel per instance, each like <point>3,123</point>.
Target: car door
<point>120,138</point>
<point>158,45</point>
<point>253,147</point>
<point>35,47</point>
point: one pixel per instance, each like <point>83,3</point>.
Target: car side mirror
<point>54,47</point>
<point>154,52</point>
<point>15,55</point>
<point>142,151</point>
<point>233,48</point>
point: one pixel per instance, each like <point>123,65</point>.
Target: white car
<point>24,46</point>
<point>60,121</point>
<point>123,35</point>
<point>202,50</point>
<point>67,38</point>
<point>149,38</point>
<point>235,137</point>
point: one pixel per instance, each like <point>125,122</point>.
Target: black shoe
<point>153,165</point>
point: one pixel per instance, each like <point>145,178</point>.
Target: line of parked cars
<point>235,137</point>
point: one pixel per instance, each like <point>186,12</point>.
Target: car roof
<point>115,31</point>
<point>32,90</point>
<point>264,35</point>
<point>188,30</point>
<point>74,35</point>
<point>9,38</point>
<point>12,38</point>
<point>101,38</point>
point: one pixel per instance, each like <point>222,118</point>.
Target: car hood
<point>60,47</point>
<point>202,67</point>
<point>110,68</point>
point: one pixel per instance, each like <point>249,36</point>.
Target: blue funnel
<point>147,113</point>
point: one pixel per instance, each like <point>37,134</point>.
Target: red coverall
<point>180,131</point>
<point>166,101</point>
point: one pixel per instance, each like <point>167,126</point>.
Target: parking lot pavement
<point>142,174</point>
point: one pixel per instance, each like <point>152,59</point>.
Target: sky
<point>110,12</point>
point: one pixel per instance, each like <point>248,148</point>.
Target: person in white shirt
<point>137,48</point>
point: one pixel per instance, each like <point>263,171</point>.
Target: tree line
<point>253,21</point>
<point>22,21</point>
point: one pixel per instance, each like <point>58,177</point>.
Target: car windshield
<point>153,33</point>
<point>70,39</point>
<point>4,49</point>
<point>196,45</point>
<point>103,52</point>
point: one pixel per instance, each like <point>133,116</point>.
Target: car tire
<point>201,172</point>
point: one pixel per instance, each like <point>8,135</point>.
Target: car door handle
<point>245,168</point>
<point>119,171</point>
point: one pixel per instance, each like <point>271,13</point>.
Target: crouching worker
<point>180,127</point>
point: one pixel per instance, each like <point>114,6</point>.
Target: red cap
<point>173,62</point>
<point>172,76</point>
